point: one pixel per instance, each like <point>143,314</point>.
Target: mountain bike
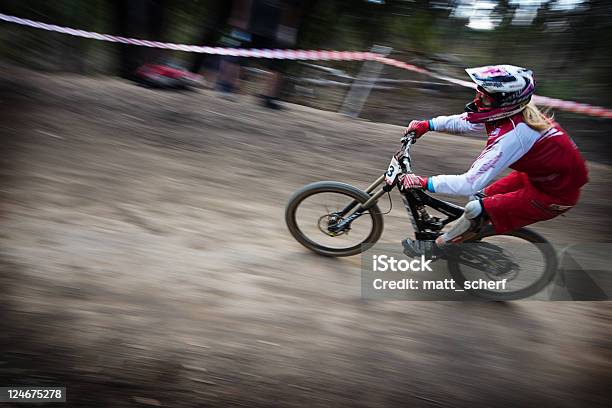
<point>337,219</point>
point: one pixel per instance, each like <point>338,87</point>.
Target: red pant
<point>513,202</point>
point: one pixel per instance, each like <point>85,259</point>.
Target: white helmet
<point>509,86</point>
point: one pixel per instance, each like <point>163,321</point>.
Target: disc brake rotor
<point>328,220</point>
<point>493,261</point>
<point>502,269</point>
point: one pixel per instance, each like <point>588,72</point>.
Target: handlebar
<point>409,137</point>
<point>408,140</point>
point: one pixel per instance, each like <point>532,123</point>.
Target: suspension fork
<point>360,208</point>
<point>371,201</point>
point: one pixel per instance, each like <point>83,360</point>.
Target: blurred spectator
<point>264,26</point>
<point>235,35</point>
<point>274,24</point>
<point>211,34</point>
<point>259,24</point>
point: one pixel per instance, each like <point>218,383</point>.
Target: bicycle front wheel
<point>313,208</point>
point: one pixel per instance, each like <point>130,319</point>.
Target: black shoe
<point>224,87</point>
<point>226,91</point>
<point>429,249</point>
<point>411,249</point>
<point>271,102</point>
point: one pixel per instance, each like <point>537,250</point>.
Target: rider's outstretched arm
<point>493,160</point>
<point>456,124</point>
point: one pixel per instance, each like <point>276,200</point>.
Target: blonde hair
<point>536,119</point>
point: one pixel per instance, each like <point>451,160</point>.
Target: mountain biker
<point>548,170</point>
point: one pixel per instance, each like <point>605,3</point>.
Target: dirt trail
<point>145,260</point>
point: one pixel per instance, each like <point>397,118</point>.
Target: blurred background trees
<point>567,42</point>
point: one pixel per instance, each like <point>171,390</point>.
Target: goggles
<point>484,101</point>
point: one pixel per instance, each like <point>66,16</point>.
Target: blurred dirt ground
<point>145,262</point>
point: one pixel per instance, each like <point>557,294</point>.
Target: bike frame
<point>486,257</point>
<point>426,227</point>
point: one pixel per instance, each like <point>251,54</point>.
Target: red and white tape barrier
<point>235,52</point>
<point>320,55</point>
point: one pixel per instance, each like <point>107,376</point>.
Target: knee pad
<point>473,209</point>
<point>474,216</point>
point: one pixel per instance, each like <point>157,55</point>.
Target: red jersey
<point>550,158</point>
